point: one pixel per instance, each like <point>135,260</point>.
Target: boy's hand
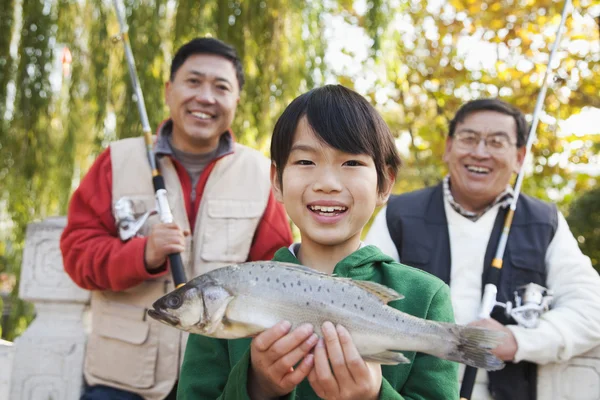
<point>352,377</point>
<point>273,355</point>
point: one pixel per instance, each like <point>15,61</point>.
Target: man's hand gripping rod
<point>490,291</point>
<point>162,202</point>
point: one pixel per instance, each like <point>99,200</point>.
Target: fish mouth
<point>163,317</point>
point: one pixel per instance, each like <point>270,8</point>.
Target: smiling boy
<point>333,161</point>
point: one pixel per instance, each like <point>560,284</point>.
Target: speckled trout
<point>245,299</point>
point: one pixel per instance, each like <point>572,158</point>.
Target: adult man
<point>223,209</point>
<point>452,230</point>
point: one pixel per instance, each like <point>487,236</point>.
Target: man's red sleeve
<point>93,255</point>
<point>273,232</point>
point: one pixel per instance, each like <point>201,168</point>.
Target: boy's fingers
<point>294,378</point>
<point>314,383</point>
<point>335,352</point>
<point>289,342</point>
<point>354,362</point>
<point>323,373</point>
<point>266,339</point>
<point>290,359</point>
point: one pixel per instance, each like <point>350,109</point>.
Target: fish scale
<point>245,299</point>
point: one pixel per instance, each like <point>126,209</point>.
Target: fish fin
<point>235,330</point>
<point>218,316</point>
<point>387,358</point>
<point>236,319</point>
<point>216,300</point>
<point>383,293</point>
<point>473,347</point>
<point>299,267</point>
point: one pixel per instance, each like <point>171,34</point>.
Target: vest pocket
<point>415,255</point>
<point>229,229</point>
<point>528,267</point>
<point>122,347</point>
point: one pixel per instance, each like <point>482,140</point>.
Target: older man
<point>224,212</point>
<point>451,230</point>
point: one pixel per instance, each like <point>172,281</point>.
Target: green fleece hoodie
<point>218,369</point>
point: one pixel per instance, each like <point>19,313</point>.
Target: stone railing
<point>6,362</point>
<point>48,358</point>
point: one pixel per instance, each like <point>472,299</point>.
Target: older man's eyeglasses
<point>495,144</point>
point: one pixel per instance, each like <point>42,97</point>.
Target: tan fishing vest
<point>127,349</point>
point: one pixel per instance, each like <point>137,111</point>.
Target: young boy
<point>333,161</point>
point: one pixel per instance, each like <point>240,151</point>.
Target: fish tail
<point>472,346</point>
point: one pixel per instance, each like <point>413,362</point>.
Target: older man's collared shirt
<point>503,199</point>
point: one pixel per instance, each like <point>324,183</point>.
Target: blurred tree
<point>584,220</point>
<point>434,56</point>
<point>28,152</point>
<point>57,123</point>
<point>6,61</point>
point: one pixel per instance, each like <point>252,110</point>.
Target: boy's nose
<point>327,181</point>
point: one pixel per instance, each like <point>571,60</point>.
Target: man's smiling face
<point>202,99</point>
<point>477,176</point>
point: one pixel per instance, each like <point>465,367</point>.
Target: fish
<point>243,300</point>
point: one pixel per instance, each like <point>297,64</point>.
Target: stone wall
<point>6,362</point>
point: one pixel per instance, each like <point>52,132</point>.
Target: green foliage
<point>431,66</point>
<point>59,122</point>
<point>584,221</point>
<point>6,62</point>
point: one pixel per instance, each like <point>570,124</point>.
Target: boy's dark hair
<point>345,121</point>
<point>492,105</point>
<point>207,46</point>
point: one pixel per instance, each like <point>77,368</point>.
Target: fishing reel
<point>127,224</point>
<point>531,301</point>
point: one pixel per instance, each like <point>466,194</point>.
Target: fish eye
<point>173,301</point>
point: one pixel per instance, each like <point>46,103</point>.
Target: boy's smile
<point>329,194</point>
<point>328,212</point>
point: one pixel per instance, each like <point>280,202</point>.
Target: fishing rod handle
<point>177,270</point>
<point>488,301</point>
<point>468,383</point>
<point>164,212</point>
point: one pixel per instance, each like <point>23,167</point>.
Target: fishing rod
<point>164,211</point>
<point>490,291</point>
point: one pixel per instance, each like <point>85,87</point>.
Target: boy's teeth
<point>201,115</point>
<point>480,170</point>
<point>328,208</point>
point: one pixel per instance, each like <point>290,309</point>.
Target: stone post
<point>48,356</point>
<point>6,361</point>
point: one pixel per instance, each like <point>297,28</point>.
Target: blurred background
<point>65,92</point>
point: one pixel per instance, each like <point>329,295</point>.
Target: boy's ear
<point>384,195</point>
<point>277,190</point>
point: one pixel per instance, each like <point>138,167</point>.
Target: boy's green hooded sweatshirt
<point>218,369</point>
